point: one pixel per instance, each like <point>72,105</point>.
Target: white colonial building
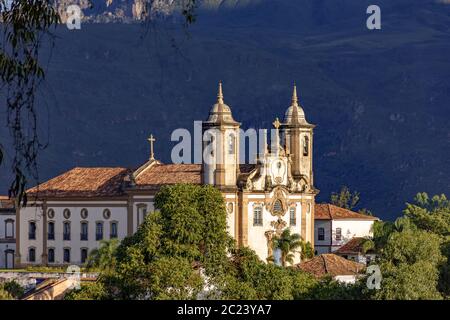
<point>7,233</point>
<point>335,226</point>
<point>73,212</point>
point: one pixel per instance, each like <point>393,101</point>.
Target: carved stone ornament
<point>279,226</point>
<point>269,236</point>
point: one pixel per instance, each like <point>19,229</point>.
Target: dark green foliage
<point>11,290</point>
<point>88,291</point>
<point>345,198</point>
<point>413,251</point>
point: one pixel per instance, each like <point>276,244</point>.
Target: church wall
<point>256,234</point>
<point>232,209</point>
<point>95,210</point>
<point>30,213</point>
<point>138,215</point>
<point>7,239</point>
<point>322,246</point>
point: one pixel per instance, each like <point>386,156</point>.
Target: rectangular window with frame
<point>32,230</point>
<point>66,255</point>
<point>338,234</point>
<point>66,231</point>
<point>113,233</point>
<point>99,231</point>
<point>84,231</point>
<point>292,216</point>
<point>321,234</point>
<point>257,216</point>
<point>51,231</point>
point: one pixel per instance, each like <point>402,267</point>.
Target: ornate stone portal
<point>279,225</point>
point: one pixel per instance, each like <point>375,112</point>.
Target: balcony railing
<point>66,236</point>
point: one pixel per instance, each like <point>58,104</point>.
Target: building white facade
<point>83,206</point>
<point>335,226</point>
<point>7,234</point>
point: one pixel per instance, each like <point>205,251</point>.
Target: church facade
<point>73,212</point>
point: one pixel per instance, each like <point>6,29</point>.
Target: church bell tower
<point>220,146</point>
<point>298,139</point>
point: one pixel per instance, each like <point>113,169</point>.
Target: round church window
<point>106,214</point>
<point>51,213</point>
<point>66,213</point>
<point>84,214</point>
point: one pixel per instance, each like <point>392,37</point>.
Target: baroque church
<point>75,210</point>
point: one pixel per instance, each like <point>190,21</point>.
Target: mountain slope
<point>380,99</point>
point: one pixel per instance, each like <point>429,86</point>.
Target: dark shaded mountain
<point>380,99</point>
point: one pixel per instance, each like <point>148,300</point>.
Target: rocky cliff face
<point>103,11</point>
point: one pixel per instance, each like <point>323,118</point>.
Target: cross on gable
<point>152,140</point>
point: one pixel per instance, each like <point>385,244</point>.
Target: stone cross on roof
<point>152,140</point>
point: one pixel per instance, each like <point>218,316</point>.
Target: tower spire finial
<point>220,94</point>
<point>294,96</point>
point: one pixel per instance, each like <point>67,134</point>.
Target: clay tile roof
<point>353,246</point>
<point>330,264</point>
<point>6,203</point>
<point>83,182</point>
<point>162,174</point>
<point>326,211</point>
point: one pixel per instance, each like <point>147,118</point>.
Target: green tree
<point>409,265</point>
<point>157,262</point>
<point>104,257</point>
<point>288,244</point>
<point>345,198</point>
<point>88,291</point>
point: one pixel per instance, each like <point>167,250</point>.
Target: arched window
<point>51,255</point>
<point>66,230</point>
<point>32,230</point>
<point>306,146</point>
<point>231,144</point>
<point>51,230</point>
<point>99,231</point>
<point>277,206</point>
<point>257,216</point>
<point>32,254</point>
<point>66,255</point>
<point>292,216</point>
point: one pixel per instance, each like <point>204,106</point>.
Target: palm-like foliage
<point>287,243</point>
<point>103,257</point>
